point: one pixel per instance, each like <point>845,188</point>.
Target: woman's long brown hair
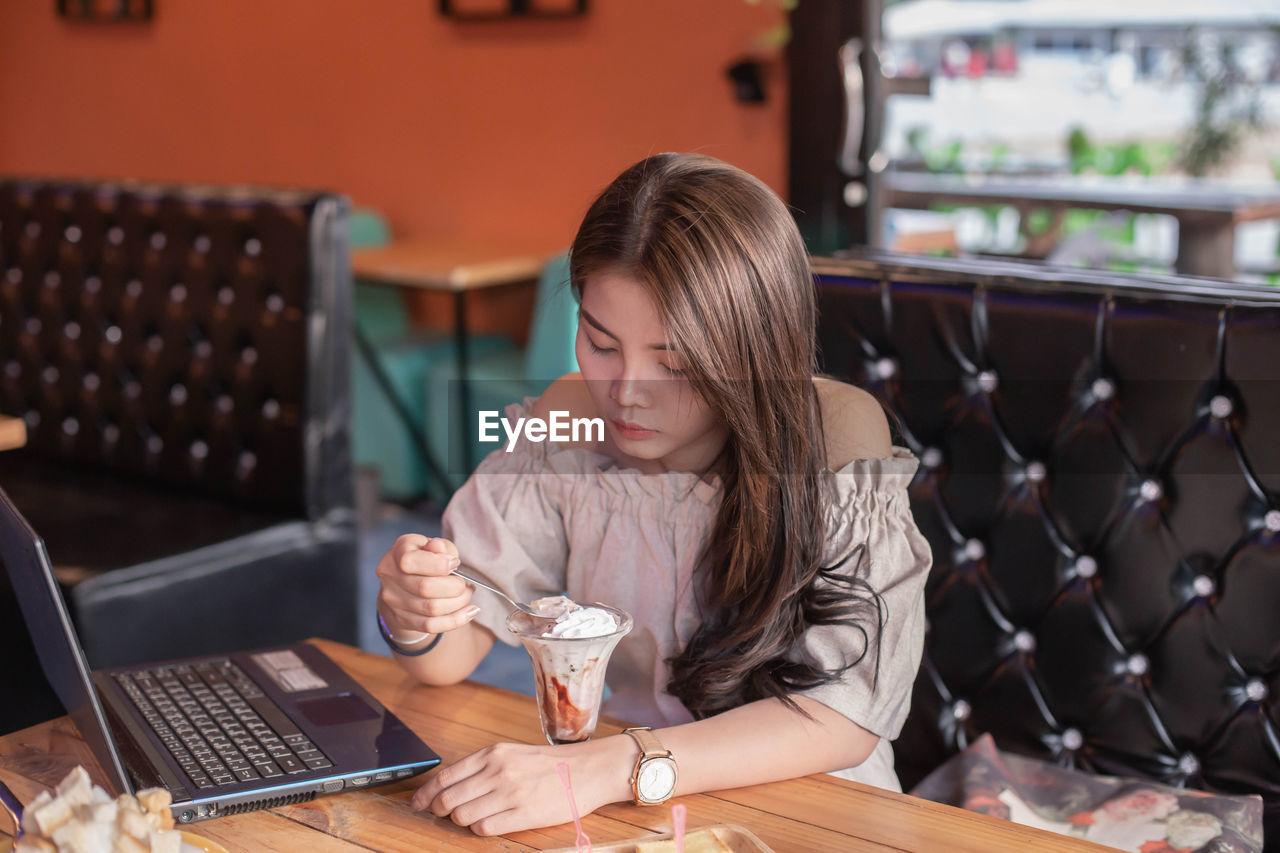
<point>726,267</point>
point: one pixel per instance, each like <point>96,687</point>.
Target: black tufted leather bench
<point>179,355</point>
<point>1100,484</point>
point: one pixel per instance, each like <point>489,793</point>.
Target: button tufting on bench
<point>1151,491</point>
<point>143,330</point>
<point>1086,566</point>
<point>885,368</point>
<point>1130,595</point>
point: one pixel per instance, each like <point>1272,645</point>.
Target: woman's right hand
<point>418,593</point>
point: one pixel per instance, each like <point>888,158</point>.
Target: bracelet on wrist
<point>395,645</point>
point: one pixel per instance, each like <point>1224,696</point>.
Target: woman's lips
<point>631,431</point>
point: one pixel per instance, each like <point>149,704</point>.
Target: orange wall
<point>486,129</point>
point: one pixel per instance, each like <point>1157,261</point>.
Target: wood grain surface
<point>816,813</point>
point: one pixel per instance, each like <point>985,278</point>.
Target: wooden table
<point>816,813</point>
<point>13,432</point>
<point>453,266</point>
<point>1207,212</point>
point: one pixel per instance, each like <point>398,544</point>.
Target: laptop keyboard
<point>218,725</point>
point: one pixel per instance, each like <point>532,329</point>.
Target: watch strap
<point>650,746</point>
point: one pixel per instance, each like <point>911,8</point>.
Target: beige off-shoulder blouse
<point>546,519</point>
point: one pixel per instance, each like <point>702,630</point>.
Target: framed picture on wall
<point>496,9</point>
<point>105,10</point>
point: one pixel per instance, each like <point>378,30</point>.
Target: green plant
<point>1227,104</point>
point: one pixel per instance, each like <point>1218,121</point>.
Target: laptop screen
<point>23,554</point>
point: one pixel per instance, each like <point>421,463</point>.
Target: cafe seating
<point>405,354</point>
<point>1100,484</point>
<point>499,379</point>
<point>180,357</point>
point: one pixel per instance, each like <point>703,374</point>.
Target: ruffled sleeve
<point>507,525</point>
<point>875,538</point>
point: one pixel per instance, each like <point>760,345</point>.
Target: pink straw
<point>678,812</point>
<point>581,841</point>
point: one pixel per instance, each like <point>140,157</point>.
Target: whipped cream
<point>574,621</point>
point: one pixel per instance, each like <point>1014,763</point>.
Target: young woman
<point>752,518</point>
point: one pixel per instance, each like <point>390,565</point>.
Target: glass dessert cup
<point>568,674</point>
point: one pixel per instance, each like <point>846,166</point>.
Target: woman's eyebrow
<point>586,315</point>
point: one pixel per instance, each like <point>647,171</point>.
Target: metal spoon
<point>13,806</point>
<point>523,608</point>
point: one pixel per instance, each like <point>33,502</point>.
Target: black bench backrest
<point>1101,466</point>
<point>180,334</point>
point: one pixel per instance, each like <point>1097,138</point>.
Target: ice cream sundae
<point>574,621</point>
<point>570,654</point>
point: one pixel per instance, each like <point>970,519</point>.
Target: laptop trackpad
<point>336,710</point>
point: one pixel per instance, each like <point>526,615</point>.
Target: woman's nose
<point>628,389</point>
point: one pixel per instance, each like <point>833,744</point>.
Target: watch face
<point>657,779</point>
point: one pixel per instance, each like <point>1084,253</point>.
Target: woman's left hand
<point>508,787</point>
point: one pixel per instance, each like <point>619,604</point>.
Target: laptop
<point>223,734</point>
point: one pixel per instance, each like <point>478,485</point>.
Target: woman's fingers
<point>415,614</point>
<point>485,814</point>
<point>419,561</point>
<point>437,545</point>
<point>418,592</point>
<point>448,776</point>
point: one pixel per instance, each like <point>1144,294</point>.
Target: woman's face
<point>654,417</point>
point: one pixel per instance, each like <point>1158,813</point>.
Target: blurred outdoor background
<point>1175,90</point>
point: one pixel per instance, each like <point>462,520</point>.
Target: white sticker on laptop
<point>288,671</point>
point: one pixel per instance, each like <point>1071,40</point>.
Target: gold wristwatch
<point>653,780</point>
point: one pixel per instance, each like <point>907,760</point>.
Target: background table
<point>816,813</point>
<point>1207,212</point>
<point>446,266</point>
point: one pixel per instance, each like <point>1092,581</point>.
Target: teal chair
<point>406,355</point>
<point>499,379</point>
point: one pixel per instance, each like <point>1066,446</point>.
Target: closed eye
<point>598,349</point>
